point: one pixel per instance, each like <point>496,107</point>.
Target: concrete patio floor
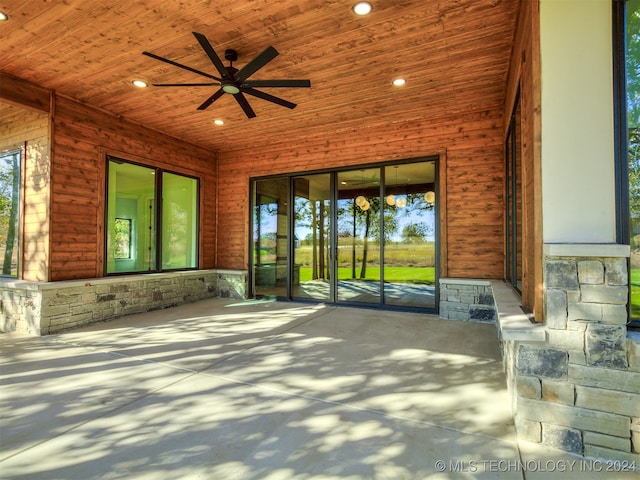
<point>264,390</point>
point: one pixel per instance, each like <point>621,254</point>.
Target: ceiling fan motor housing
<point>230,54</point>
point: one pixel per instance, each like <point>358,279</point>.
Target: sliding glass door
<point>362,236</point>
<point>311,265</point>
<point>358,239</point>
<point>409,235</point>
<point>270,237</point>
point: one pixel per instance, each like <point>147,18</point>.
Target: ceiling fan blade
<point>176,64</point>
<point>211,53</point>
<point>242,101</point>
<point>256,64</point>
<point>185,84</point>
<point>270,98</point>
<point>277,83</point>
<point>211,99</point>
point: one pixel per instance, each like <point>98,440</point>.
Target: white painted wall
<point>578,191</point>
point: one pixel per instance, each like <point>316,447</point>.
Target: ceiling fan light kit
<point>233,81</point>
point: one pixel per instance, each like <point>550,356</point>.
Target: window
<point>147,231</point>
<point>626,15</point>
<point>513,192</point>
<point>360,236</point>
<point>10,211</point>
<point>122,232</point>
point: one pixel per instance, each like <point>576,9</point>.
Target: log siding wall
<point>29,130</point>
<point>82,137</point>
<point>472,142</point>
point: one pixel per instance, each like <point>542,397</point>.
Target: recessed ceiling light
<point>398,82</point>
<point>362,8</point>
<point>217,121</point>
<point>3,17</point>
<point>140,83</point>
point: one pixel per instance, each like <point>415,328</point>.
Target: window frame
<point>513,251</point>
<point>621,138</point>
<point>18,151</point>
<point>157,217</point>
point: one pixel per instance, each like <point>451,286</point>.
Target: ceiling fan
<point>233,81</point>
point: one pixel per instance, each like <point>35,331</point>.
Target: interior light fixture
<point>140,83</point>
<point>362,8</point>
<point>218,121</point>
<point>401,202</point>
<point>391,200</point>
<point>3,17</point>
<point>399,82</point>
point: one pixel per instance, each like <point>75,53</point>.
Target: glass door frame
<point>333,234</point>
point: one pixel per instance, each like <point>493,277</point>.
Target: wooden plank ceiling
<point>453,54</point>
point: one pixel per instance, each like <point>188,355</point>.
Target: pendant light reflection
<point>401,202</point>
<point>363,203</point>
<point>430,197</point>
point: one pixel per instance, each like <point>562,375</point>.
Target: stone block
<point>555,303</point>
<point>607,441</point>
<point>574,417</point>
<point>455,306</point>
<point>560,392</point>
<point>604,345</point>
<point>564,438</point>
<point>577,325</point>
<point>527,430</point>
<point>566,339</point>
<point>468,299</point>
<point>482,313</point>
<point>544,362</point>
<point>633,353</point>
<point>623,403</point>
<point>614,314</point>
<point>615,295</point>
<point>561,274</point>
<point>485,299</point>
<point>620,380</point>
<point>58,310</point>
<point>528,387</point>
<point>635,434</point>
<point>591,272</point>
<point>577,357</point>
<point>453,314</point>
<point>611,456</point>
<point>616,271</point>
<point>584,311</point>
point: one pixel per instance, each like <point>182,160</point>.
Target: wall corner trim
<point>586,250</point>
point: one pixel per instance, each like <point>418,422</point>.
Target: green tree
<point>9,203</point>
<point>416,232</point>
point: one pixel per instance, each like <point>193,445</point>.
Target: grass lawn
<point>635,293</point>
<point>391,274</point>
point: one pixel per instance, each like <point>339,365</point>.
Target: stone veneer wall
<point>40,308</point>
<point>468,300</point>
<point>578,389</point>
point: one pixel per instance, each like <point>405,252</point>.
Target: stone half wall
<point>40,308</point>
<point>467,300</point>
<point>577,388</point>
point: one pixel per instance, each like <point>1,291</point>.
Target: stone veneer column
<point>580,389</point>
